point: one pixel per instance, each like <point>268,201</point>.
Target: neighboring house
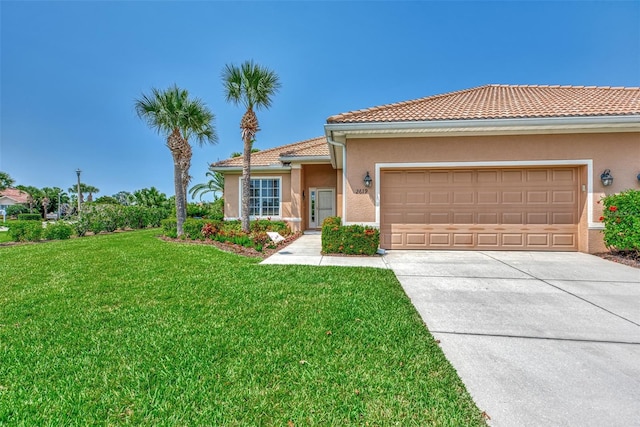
<point>496,167</point>
<point>12,196</point>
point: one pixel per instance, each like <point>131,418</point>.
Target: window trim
<point>253,217</point>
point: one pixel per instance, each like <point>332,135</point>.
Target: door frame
<point>314,224</point>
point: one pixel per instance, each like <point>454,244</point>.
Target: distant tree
<point>34,196</point>
<point>124,198</point>
<point>253,87</point>
<point>215,185</point>
<point>107,200</point>
<point>5,181</point>
<point>150,197</point>
<point>172,113</point>
<point>52,195</point>
<point>84,189</point>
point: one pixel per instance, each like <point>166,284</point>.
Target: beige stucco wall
<point>619,152</point>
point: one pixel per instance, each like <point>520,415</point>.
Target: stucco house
<point>12,196</point>
<point>496,167</point>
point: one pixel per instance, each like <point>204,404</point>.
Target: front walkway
<point>306,250</point>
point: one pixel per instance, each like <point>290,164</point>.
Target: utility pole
<point>78,173</point>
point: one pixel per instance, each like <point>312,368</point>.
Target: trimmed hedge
<point>106,217</point>
<point>348,239</point>
<point>25,231</point>
<point>29,217</point>
<point>58,231</point>
<point>621,217</point>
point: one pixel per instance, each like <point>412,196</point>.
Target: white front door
<point>322,204</point>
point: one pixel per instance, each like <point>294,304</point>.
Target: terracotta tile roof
<point>315,147</point>
<point>18,196</point>
<point>505,101</point>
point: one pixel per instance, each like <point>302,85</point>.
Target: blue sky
<point>71,70</point>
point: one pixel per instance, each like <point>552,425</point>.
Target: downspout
<point>331,141</point>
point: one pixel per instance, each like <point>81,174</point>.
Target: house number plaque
<point>362,190</point>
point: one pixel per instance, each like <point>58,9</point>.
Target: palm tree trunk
<point>181,152</point>
<point>246,184</point>
<point>181,208</point>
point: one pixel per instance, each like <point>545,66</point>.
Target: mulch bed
<point>632,259</point>
<point>238,249</point>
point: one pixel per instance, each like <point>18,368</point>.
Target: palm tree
<point>150,197</point>
<point>252,86</point>
<point>172,113</point>
<point>215,185</point>
<point>84,188</point>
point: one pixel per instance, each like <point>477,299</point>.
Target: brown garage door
<point>500,209</point>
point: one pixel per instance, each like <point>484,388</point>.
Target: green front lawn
<point>128,329</point>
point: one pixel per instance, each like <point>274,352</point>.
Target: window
<point>264,199</point>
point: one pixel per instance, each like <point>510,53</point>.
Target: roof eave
<point>584,124</point>
<point>254,168</point>
<point>304,159</point>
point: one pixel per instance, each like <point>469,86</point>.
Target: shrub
<point>193,228</point>
<point>217,210</point>
<point>58,231</point>
<point>621,218</point>
<point>25,231</point>
<point>169,227</point>
<point>29,217</point>
<point>199,210</point>
<point>15,210</point>
<point>227,231</point>
<point>349,239</point>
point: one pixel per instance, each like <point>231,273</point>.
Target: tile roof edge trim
<point>303,158</point>
<point>475,123</point>
<point>253,168</point>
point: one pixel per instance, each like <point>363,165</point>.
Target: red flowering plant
<point>621,217</point>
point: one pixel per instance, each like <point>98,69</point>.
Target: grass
<point>4,236</point>
<point>126,329</point>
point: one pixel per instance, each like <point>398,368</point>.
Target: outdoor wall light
<point>367,180</point>
<point>606,178</point>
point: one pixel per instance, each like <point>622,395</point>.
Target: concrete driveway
<point>537,338</point>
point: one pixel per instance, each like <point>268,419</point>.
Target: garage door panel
<point>512,218</point>
<point>418,178</point>
<point>487,218</point>
<point>539,175</point>
<point>512,197</point>
<point>463,218</point>
<point>563,218</point>
<point>488,197</point>
<point>516,209</point>
<point>463,197</point>
<point>535,197</point>
<point>438,177</point>
<point>416,198</point>
<point>488,239</point>
<point>537,218</point>
<point>564,175</point>
<point>568,197</point>
<point>415,218</point>
<point>439,198</point>
<point>462,177</point>
<point>487,176</point>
